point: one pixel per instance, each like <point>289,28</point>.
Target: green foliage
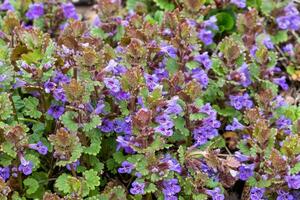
<point>31,184</point>
<point>31,107</point>
<point>61,183</point>
<point>6,108</point>
<point>68,120</point>
<point>226,21</point>
<point>165,4</point>
<point>92,179</point>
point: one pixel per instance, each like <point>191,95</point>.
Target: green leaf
<point>244,148</point>
<point>200,197</point>
<point>8,148</point>
<point>5,160</point>
<point>172,65</point>
<point>267,6</point>
<point>218,67</point>
<point>123,107</point>
<point>95,142</point>
<point>264,183</point>
<point>227,111</point>
<point>95,121</point>
<point>179,123</point>
<point>281,36</point>
<point>31,184</point>
<point>120,33</point>
<point>192,65</point>
<point>68,122</point>
<point>34,159</point>
<point>119,157</point>
<point>92,179</point>
<point>151,188</point>
<point>254,3</point>
<point>98,33</point>
<point>61,183</point>
<point>197,116</point>
<point>33,57</point>
<point>76,153</point>
<point>225,21</point>
<point>165,4</point>
<point>251,181</point>
<point>6,108</point>
<point>31,107</point>
<point>295,169</point>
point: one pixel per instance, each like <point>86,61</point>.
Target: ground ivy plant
<point>153,99</point>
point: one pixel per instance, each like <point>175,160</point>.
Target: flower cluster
<point>151,99</point>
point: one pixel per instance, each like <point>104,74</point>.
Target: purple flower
<point>215,194</point>
<point>173,107</point>
<point>119,125</point>
<point>206,36</point>
<point>282,195</point>
<point>107,126</point>
<point>293,181</point>
<point>268,43</point>
<point>289,49</point>
<point>164,131</point>
<point>97,21</point>
<point>74,165</point>
<point>283,22</point>
<point>26,166</point>
<point>241,157</point>
<point>99,108</point>
<point>239,3</point>
<point>19,83</point>
<point>290,10</point>
<point>200,76</point>
<point>172,163</point>
<point>114,67</point>
<point>49,86</point>
<point>245,80</point>
<point>56,111</point>
<point>40,147</point>
<point>124,142</point>
<point>69,11</point>
<point>283,122</point>
<point>211,23</point>
<point>240,101</point>
<point>236,125</point>
<point>137,188</point>
<point>35,11</point>
<point>204,59</point>
<point>295,22</point>
<point>6,5</point>
<point>4,173</point>
<point>169,49</point>
<point>281,82</point>
<point>207,109</point>
<point>112,84</point>
<point>59,94</point>
<point>171,188</point>
<point>60,78</point>
<point>246,171</point>
<point>257,193</point>
<point>151,81</point>
<point>279,101</point>
<point>127,167</point>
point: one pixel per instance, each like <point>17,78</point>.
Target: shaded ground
<point>86,11</point>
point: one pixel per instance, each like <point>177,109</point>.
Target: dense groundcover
<point>153,99</point>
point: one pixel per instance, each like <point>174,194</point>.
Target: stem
<point>14,108</point>
<point>73,170</point>
<point>28,120</point>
